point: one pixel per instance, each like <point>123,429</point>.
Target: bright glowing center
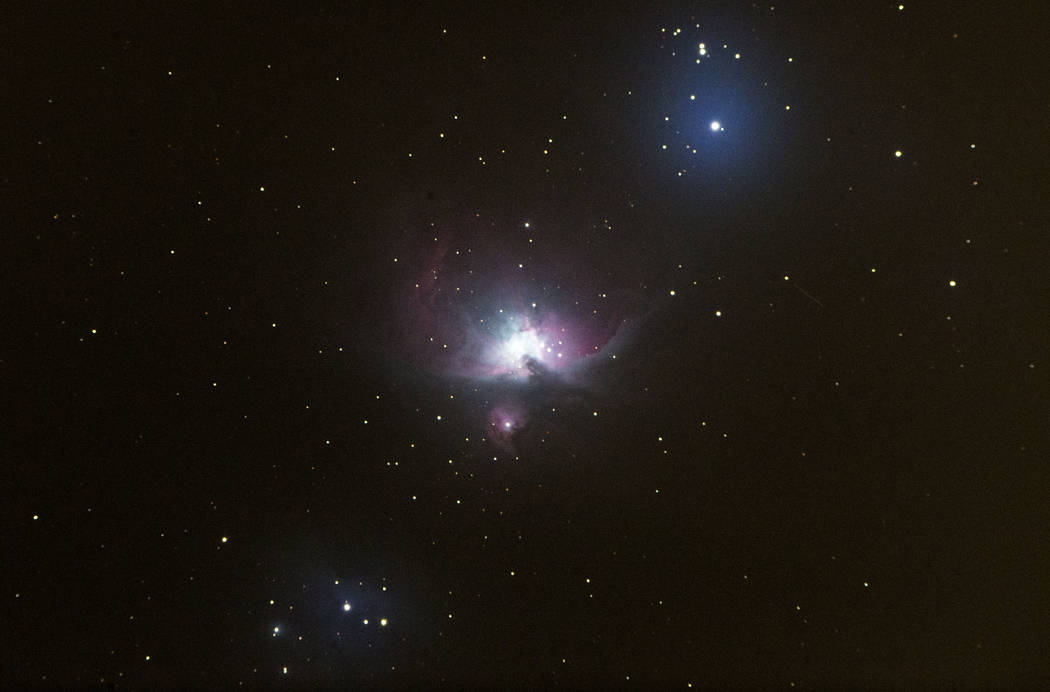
<point>520,347</point>
<point>715,126</point>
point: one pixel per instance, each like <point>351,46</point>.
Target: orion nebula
<point>509,321</point>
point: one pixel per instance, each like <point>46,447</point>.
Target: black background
<point>838,479</point>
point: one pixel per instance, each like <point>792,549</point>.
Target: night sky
<point>612,345</point>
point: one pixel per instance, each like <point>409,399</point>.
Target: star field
<point>401,346</point>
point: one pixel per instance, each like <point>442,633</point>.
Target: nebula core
<point>467,316</point>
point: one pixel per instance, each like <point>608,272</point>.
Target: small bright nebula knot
<point>505,420</point>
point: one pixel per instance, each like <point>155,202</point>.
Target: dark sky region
<point>522,345</point>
